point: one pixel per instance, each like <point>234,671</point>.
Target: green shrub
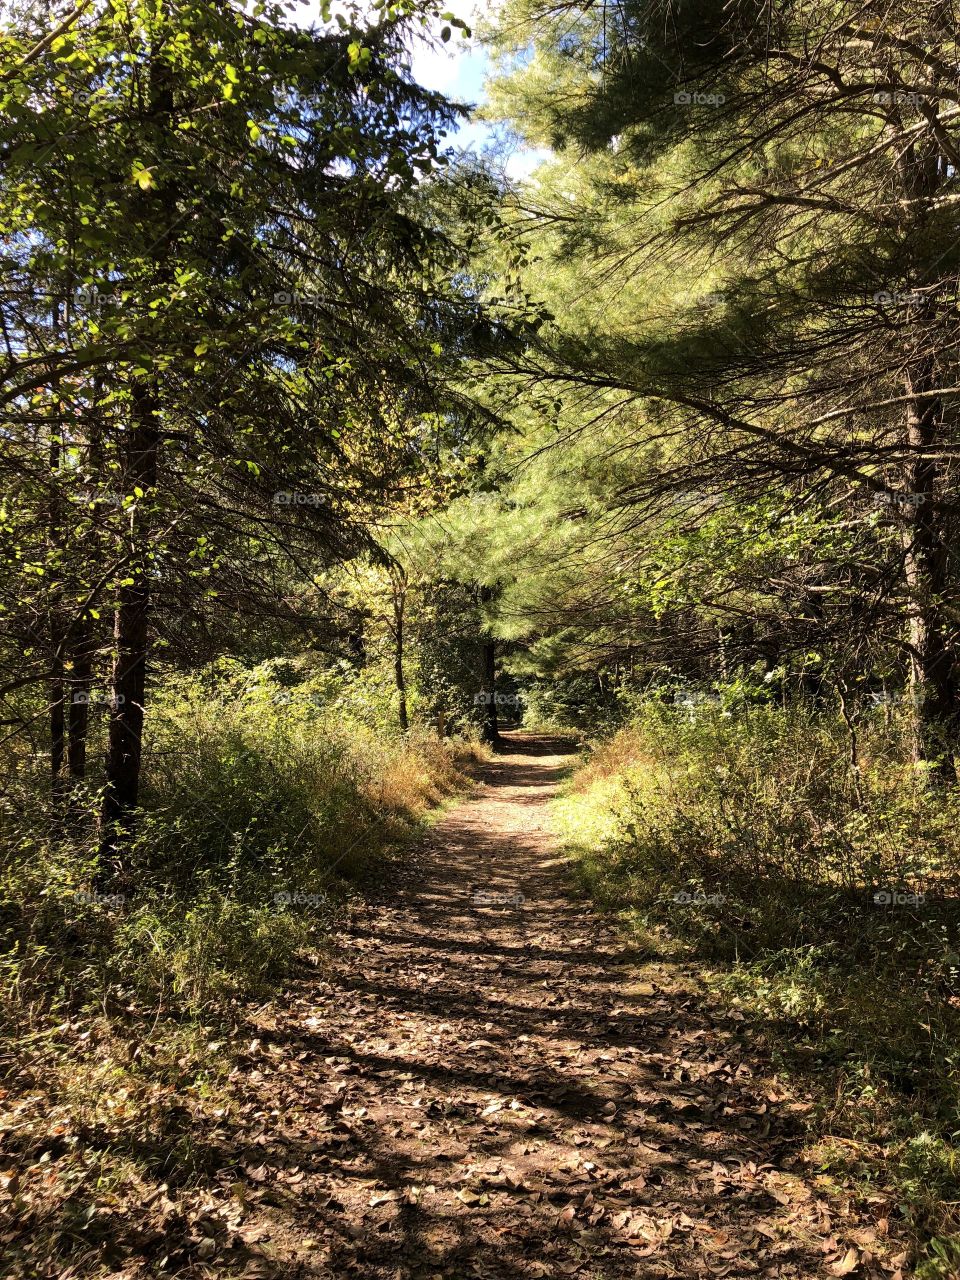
<point>754,838</point>
<point>264,804</point>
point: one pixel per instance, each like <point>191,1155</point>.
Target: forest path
<point>484,1088</point>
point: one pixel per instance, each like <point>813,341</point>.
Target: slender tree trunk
<point>934,686</point>
<point>81,646</point>
<point>356,643</point>
<point>132,615</point>
<point>933,641</point>
<point>131,635</point>
<point>812,682</point>
<point>722,664</point>
<point>399,603</point>
<point>80,656</point>
<point>56,639</point>
<point>853,746</point>
<point>490,730</point>
<point>55,636</point>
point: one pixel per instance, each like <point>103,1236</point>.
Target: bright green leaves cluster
<point>221,211</point>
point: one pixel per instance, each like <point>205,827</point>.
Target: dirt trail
<point>487,1088</point>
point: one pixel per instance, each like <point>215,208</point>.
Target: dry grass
<point>628,749</point>
<point>423,775</point>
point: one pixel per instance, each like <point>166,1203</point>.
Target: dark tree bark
<point>55,633</point>
<point>81,646</point>
<point>131,637</point>
<point>132,614</point>
<point>398,579</point>
<point>357,645</point>
<point>932,640</point>
<point>932,637</point>
<point>490,728</point>
<point>55,636</point>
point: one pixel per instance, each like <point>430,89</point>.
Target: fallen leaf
<point>383,1198</point>
<point>849,1261</point>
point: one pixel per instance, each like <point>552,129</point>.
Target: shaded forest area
<point>331,453</point>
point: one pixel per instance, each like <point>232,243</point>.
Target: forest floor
<point>482,1080</point>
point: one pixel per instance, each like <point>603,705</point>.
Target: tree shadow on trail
<point>517,742</point>
<point>471,1083</point>
<point>482,1091</point>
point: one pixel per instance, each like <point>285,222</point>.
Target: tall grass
<point>264,806</point>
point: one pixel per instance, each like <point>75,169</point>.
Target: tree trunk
<point>490,729</point>
<point>131,632</point>
<point>81,646</point>
<point>932,658</point>
<point>55,636</point>
<point>57,725</point>
<point>80,655</point>
<point>932,642</point>
<point>399,602</point>
<point>132,615</point>
<point>56,642</point>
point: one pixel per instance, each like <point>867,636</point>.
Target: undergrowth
<point>269,802</point>
<point>817,888</point>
